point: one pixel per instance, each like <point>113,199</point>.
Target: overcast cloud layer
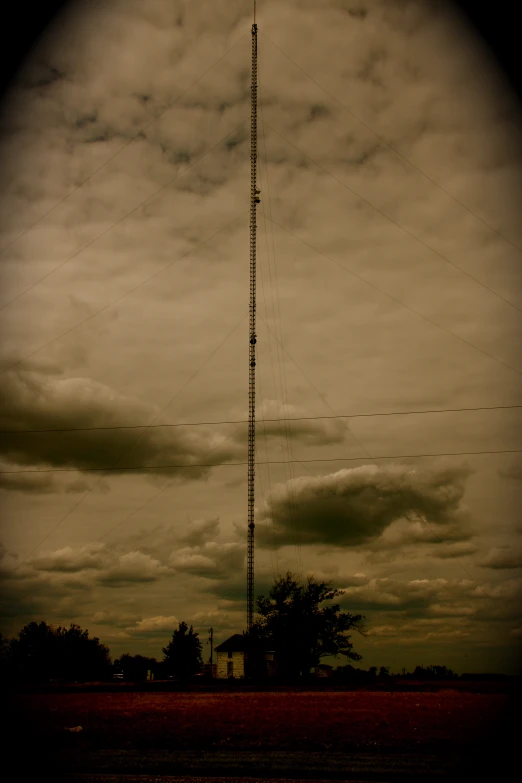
<point>389,281</point>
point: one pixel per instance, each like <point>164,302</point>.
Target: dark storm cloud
<point>503,557</point>
<point>34,401</point>
<point>27,593</point>
<point>35,484</point>
<point>31,401</point>
<point>451,551</point>
<point>355,506</point>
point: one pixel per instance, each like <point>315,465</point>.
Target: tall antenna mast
<point>254,201</point>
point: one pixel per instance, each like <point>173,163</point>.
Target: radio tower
<point>254,201</point>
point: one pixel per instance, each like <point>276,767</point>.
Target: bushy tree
<point>183,653</point>
<point>42,652</point>
<point>79,656</point>
<point>301,631</point>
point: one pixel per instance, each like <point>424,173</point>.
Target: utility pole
<point>254,201</point>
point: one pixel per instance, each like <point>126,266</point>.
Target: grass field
<point>447,720</point>
<point>280,734</point>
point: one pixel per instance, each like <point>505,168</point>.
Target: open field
<point>139,730</point>
<point>284,720</point>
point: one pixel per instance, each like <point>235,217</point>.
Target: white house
<point>231,657</point>
<point>236,657</point>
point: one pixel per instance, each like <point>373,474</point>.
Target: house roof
<point>242,643</point>
<point>236,643</point>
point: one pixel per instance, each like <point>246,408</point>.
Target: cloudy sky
<point>389,283</point>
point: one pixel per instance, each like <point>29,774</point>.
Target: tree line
<point>43,653</point>
<point>300,623</point>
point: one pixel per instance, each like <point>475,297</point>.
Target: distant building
<point>238,657</point>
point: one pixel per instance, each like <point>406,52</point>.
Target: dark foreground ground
<point>284,735</point>
<point>191,779</point>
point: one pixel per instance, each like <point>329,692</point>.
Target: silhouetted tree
<point>183,653</point>
<point>42,652</point>
<point>81,657</point>
<point>301,632</point>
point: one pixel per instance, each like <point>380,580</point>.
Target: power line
<point>267,462</point>
<point>396,151</point>
<point>117,223</point>
<point>398,301</point>
<point>167,486</point>
<point>120,298</point>
<point>392,483</point>
<point>125,519</point>
<point>112,157</point>
<point>423,570</point>
<point>126,450</point>
<point>399,226</point>
<point>395,222</point>
<point>278,420</point>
